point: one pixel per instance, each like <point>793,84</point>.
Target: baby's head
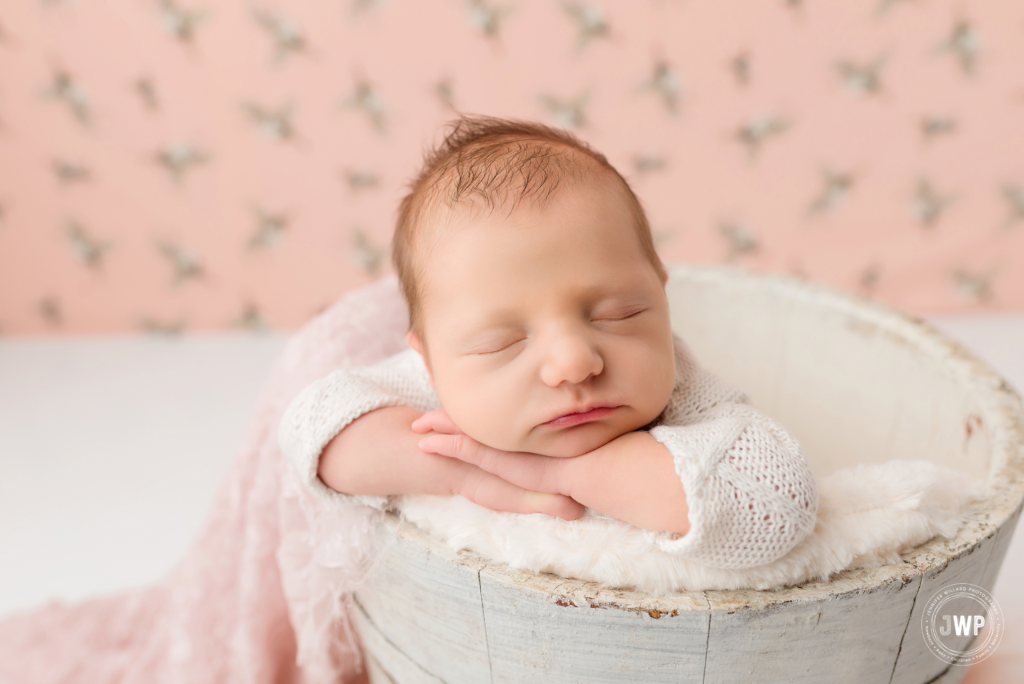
<point>534,289</point>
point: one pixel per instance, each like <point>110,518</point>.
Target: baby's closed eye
<point>616,316</point>
<point>493,345</point>
<point>501,349</point>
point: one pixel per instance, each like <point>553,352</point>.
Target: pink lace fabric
<point>262,594</point>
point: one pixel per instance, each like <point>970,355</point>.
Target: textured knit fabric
<point>326,406</point>
<point>749,489</point>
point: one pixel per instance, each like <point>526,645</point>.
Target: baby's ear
<point>413,340</point>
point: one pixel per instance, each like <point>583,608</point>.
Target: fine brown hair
<point>497,163</point>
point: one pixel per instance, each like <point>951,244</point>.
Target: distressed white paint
<point>426,599</point>
<point>974,561</point>
<point>376,645</point>
<point>375,673</point>
<point>856,382</point>
<point>853,380</point>
<point>951,676</point>
<point>642,638</point>
<point>793,635</point>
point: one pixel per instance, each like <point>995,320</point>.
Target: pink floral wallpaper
<point>199,164</point>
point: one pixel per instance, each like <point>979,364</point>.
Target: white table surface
<point>111,449</point>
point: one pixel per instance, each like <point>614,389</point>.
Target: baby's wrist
<point>622,443</point>
<point>351,462</point>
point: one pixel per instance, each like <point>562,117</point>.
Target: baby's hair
<point>497,163</point>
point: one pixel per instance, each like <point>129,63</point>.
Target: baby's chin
<point>576,441</point>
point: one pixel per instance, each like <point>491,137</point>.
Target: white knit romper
<point>750,492</point>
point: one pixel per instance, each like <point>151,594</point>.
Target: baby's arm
<point>632,478</point>
<point>352,427</point>
<point>751,493</point>
<point>377,454</point>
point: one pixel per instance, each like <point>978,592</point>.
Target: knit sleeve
<point>750,491</point>
<point>324,407</point>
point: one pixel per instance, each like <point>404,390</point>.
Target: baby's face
<point>544,312</point>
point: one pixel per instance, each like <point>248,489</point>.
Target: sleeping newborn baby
<point>543,375</point>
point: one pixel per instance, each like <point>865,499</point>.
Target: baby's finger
<point>436,420</point>
<point>558,505</point>
<point>526,470</point>
<point>495,493</point>
<point>460,446</point>
<point>424,423</point>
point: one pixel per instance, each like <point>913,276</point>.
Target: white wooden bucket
<point>854,381</point>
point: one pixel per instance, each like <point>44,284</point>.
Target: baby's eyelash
<point>500,350</point>
<point>624,317</point>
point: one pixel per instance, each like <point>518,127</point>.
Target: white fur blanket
<point>867,515</point>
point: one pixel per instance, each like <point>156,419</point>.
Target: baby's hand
<point>631,478</point>
<point>487,486</point>
<point>530,471</point>
<point>376,454</point>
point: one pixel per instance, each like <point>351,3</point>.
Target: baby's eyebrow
<point>496,316</point>
<point>473,337</point>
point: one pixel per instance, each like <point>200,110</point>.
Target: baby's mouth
<point>571,419</point>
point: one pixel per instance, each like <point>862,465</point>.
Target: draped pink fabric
<point>261,594</point>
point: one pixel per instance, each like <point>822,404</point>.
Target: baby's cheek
<point>504,434</point>
<point>479,421</point>
<point>486,417</point>
<point>507,431</point>
<point>656,393</point>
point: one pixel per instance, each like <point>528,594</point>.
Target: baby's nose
<point>570,359</point>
